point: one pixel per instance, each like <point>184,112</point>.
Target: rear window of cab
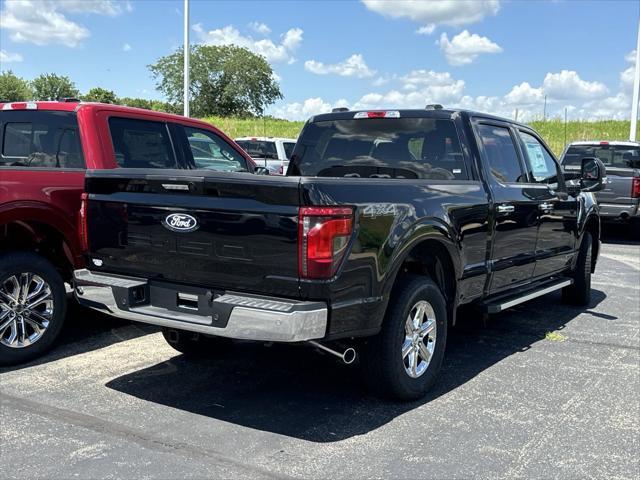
<point>424,148</point>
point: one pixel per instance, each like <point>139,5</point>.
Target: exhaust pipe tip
<point>349,356</point>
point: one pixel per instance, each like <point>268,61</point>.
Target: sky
<point>495,56</point>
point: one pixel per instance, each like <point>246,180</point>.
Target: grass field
<point>553,131</point>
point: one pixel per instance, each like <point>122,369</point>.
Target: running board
<point>503,302</point>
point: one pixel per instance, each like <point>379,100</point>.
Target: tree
<point>101,95</point>
<point>155,105</point>
<point>225,80</point>
<point>14,88</point>
<point>50,86</point>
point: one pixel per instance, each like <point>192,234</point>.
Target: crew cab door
<point>557,225</point>
<point>514,211</point>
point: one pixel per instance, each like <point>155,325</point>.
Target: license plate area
<point>190,300</point>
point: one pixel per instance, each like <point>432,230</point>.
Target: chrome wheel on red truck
<point>32,306</point>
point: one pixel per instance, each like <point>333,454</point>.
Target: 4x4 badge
<point>180,222</point>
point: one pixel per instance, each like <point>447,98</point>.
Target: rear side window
<point>259,149</point>
<point>616,156</point>
<point>288,149</point>
<point>141,143</point>
<point>210,152</point>
<point>426,148</point>
<point>40,140</point>
<point>501,155</point>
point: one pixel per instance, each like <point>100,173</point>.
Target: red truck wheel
<point>33,304</point>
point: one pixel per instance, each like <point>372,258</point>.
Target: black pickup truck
<point>385,224</point>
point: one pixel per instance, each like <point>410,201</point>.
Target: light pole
<point>187,52</point>
<point>636,90</point>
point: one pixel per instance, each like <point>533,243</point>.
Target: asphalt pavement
<point>544,390</point>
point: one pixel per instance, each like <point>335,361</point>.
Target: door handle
<point>506,208</point>
<point>546,206</point>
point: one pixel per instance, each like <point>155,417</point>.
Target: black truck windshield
<point>613,156</point>
<point>380,148</point>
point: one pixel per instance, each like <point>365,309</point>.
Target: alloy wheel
<point>26,309</point>
<point>420,339</point>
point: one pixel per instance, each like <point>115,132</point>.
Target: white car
<point>270,152</point>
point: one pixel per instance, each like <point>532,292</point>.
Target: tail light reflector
<point>635,187</point>
<point>323,236</point>
<point>83,231</point>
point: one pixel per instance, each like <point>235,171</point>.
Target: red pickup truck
<point>45,148</point>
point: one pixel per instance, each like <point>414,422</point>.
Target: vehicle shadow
<point>85,330</point>
<point>618,234</point>
<point>294,391</point>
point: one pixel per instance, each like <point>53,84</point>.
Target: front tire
<point>194,344</point>
<point>580,292</point>
<point>404,359</point>
<point>33,304</point>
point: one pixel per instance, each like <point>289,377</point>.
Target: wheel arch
<point>434,255</point>
<point>30,226</point>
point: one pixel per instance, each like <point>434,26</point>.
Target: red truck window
<point>40,140</point>
<point>141,143</point>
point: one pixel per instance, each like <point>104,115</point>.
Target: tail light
<point>83,231</point>
<point>635,187</point>
<point>323,236</point>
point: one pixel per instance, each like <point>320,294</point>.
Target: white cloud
<point>303,110</point>
<point>631,57</point>
<point>7,57</point>
<point>100,7</point>
<point>260,28</point>
<point>465,47</point>
<point>126,47</point>
<point>435,12</point>
<point>43,22</point>
<point>427,29</point>
<point>354,66</point>
<point>627,76</point>
<point>584,100</point>
<point>229,35</point>
<point>524,94</point>
<point>568,85</point>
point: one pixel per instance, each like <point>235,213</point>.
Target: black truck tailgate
<point>220,230</point>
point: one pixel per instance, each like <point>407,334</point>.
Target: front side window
<point>501,154</point>
<point>41,140</point>
<point>141,143</point>
<point>542,166</point>
<point>210,152</point>
<point>426,148</point>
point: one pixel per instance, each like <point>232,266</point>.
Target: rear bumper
<point>622,211</point>
<point>232,315</point>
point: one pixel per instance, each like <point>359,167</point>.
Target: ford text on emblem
<point>180,222</point>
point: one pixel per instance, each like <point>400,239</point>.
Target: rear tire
<point>393,361</point>
<point>194,344</point>
<point>33,304</point>
<point>580,292</point>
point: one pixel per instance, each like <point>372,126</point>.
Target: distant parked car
<point>269,152</point>
<point>620,200</point>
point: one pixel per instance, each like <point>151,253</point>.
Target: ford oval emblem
<point>180,222</point>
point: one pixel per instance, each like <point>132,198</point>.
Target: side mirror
<point>592,175</point>
<point>261,171</point>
